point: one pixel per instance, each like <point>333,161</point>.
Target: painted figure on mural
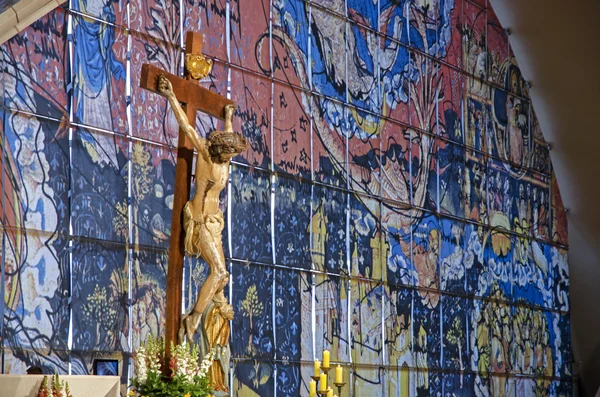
<point>202,218</point>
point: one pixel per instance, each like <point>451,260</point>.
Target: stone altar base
<point>80,385</point>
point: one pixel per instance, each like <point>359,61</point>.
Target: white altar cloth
<point>80,385</point>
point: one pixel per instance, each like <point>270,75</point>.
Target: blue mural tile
<point>453,255</point>
<point>292,222</point>
<point>252,377</point>
<point>99,186</point>
<point>452,169</point>
<point>328,55</point>
<point>455,332</point>
<point>424,171</point>
<point>293,317</point>
<point>498,268</point>
<point>290,31</point>
<point>558,282</point>
<point>393,19</point>
<point>36,292</point>
<point>35,174</point>
<point>500,196</point>
<point>293,379</point>
<point>364,88</point>
<point>474,257</point>
<point>99,74</point>
<point>364,13</point>
<point>250,208</point>
<point>426,319</point>
<point>148,294</point>
<point>366,238</point>
<point>152,193</point>
<point>459,384</point>
<point>560,343</point>
<point>330,143</point>
<point>397,245</point>
<point>398,305</point>
<point>475,187</point>
<point>426,252</point>
<point>252,303</point>
<point>17,360</point>
<point>99,296</point>
<point>328,230</point>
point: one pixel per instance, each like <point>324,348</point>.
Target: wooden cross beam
<point>194,98</point>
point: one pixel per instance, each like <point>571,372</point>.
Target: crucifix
<point>197,224</point>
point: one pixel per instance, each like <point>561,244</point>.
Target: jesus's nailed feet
<point>189,326</point>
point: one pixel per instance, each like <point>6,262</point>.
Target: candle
<point>326,358</point>
<point>317,367</point>
<point>323,382</point>
<point>312,389</point>
<point>338,374</point>
<point>330,393</point>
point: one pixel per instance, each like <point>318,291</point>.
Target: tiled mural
<point>397,204</point>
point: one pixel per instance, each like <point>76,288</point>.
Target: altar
<point>80,385</point>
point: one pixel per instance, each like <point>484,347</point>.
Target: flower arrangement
<point>57,388</point>
<point>188,376</point>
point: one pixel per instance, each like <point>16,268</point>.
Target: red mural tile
<point>35,63</point>
<point>156,18</point>
<point>216,81</point>
<point>99,75</point>
<point>291,131</point>
<point>474,40</point>
<point>251,94</point>
<point>364,159</point>
<point>329,146</point>
<point>395,162</point>
<point>497,45</point>
<point>250,42</point>
<point>151,116</point>
<point>209,18</point>
<point>455,45</point>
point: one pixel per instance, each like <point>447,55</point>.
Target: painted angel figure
<point>202,218</point>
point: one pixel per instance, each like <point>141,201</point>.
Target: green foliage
<point>158,386</point>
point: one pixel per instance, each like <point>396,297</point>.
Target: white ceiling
<point>557,46</point>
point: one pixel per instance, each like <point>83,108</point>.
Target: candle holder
<point>326,369</point>
<point>322,392</point>
<point>316,378</point>
<point>339,387</point>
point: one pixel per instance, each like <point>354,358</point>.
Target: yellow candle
<point>317,367</point>
<point>312,389</point>
<point>338,374</point>
<point>326,358</point>
<point>323,382</point>
<point>329,393</point>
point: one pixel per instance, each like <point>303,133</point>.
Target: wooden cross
<point>194,98</point>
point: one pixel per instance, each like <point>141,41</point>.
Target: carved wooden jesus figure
<point>202,218</point>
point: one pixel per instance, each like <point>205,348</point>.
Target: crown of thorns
<point>222,142</point>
